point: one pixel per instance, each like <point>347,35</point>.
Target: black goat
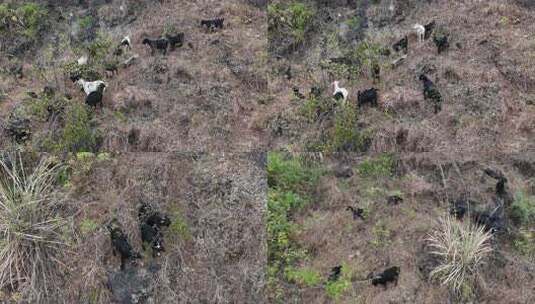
<point>394,199</point>
<point>213,24</point>
<point>336,271</point>
<point>492,219</point>
<point>441,41</point>
<point>501,190</point>
<point>150,225</point>
<point>120,244</point>
<point>95,98</point>
<point>152,235</point>
<point>315,92</point>
<point>429,29</point>
<point>368,96</point>
<point>402,44</point>
<point>389,275</point>
<point>357,213</point>
<point>431,92</point>
<point>176,40</point>
<point>160,44</point>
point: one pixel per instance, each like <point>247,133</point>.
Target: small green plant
<point>344,134</point>
<point>88,226</point>
<point>85,22</point>
<point>381,235</point>
<point>524,243</point>
<point>303,276</point>
<point>461,248</point>
<point>99,48</point>
<point>296,17</point>
<point>289,173</point>
<point>523,209</point>
<point>27,19</point>
<point>32,229</point>
<point>335,289</point>
<point>77,134</point>
<point>377,167</point>
<point>179,226</point>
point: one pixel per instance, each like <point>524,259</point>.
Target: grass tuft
<point>32,239</point>
<point>461,248</point>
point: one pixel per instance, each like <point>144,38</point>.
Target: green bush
<point>295,17</point>
<point>88,226</point>
<point>77,135</point>
<point>335,289</point>
<point>345,131</point>
<point>179,226</point>
<point>523,209</point>
<point>303,276</point>
<point>27,19</point>
<point>524,243</point>
<point>287,173</point>
<point>377,167</point>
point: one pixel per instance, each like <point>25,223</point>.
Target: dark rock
<point>343,171</point>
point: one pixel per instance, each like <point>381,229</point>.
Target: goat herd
<point>370,96</point>
<point>492,218</point>
<point>94,89</point>
<point>150,225</point>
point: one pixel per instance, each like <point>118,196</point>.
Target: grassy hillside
<point>199,97</point>
<point>215,204</point>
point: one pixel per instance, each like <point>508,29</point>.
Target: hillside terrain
<point>214,245</point>
<point>198,97</point>
<point>225,169</point>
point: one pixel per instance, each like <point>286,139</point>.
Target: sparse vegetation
<point>294,18</point>
<point>179,226</point>
<point>27,19</point>
<point>461,248</point>
<point>523,209</point>
<point>345,136</point>
<point>335,289</point>
<point>78,134</point>
<point>289,181</point>
<point>303,276</point>
<point>32,229</point>
<point>381,166</point>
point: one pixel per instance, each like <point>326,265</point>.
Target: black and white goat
<point>213,24</point>
<point>94,91</point>
<point>151,223</point>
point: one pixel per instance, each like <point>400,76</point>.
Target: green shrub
<point>377,167</point>
<point>524,243</point>
<point>77,134</point>
<point>523,209</point>
<point>288,173</point>
<point>303,276</point>
<point>335,289</point>
<point>296,17</point>
<point>179,226</point>
<point>100,47</point>
<point>88,226</point>
<point>27,19</point>
<point>345,136</point>
<point>85,22</point>
<point>381,235</point>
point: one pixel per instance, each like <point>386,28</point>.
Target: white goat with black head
<point>339,93</point>
<point>93,90</point>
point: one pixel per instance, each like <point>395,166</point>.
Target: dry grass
<point>32,235</point>
<point>461,248</point>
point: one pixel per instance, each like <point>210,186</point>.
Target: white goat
<point>83,60</point>
<point>420,31</point>
<point>339,92</point>
<point>90,86</point>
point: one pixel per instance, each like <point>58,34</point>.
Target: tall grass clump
<point>461,248</point>
<point>32,240</point>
